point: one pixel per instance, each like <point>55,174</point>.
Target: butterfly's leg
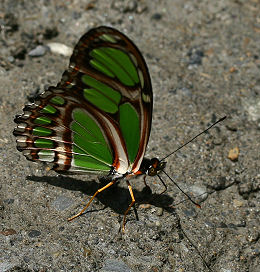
<point>91,199</point>
<point>131,204</point>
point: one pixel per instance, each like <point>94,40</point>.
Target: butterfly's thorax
<point>151,167</point>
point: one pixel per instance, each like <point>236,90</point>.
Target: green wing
<point>98,117</point>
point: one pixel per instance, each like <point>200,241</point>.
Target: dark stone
<point>34,233</point>
<point>61,228</point>
<point>50,33</point>
<point>195,56</point>
<point>156,16</point>
<point>19,52</point>
<point>9,201</point>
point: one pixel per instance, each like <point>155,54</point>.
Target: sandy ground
<point>203,57</point>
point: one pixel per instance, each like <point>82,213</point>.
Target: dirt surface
<point>203,57</point>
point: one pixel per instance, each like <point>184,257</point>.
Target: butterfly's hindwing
<point>99,115</point>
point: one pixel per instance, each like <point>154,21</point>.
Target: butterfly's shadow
<point>116,197</point>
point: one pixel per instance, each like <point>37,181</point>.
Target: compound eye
<point>152,171</point>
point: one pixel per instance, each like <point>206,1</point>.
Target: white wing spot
<point>26,114</point>
<point>141,77</point>
<point>146,98</point>
<point>133,58</point>
<point>46,155</point>
<point>21,141</point>
<point>21,127</point>
<point>45,94</point>
<point>108,38</point>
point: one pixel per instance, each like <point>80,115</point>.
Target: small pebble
<point>61,228</point>
<point>38,51</point>
<point>8,232</point>
<point>34,233</point>
<point>232,69</point>
<point>195,56</point>
<point>9,201</point>
<point>10,59</point>
<point>233,154</point>
<point>60,48</point>
<point>62,202</point>
<point>156,16</point>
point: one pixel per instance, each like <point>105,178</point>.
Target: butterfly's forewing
<point>98,116</point>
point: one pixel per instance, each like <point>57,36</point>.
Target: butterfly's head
<point>152,167</point>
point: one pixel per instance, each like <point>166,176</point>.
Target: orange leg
<point>130,206</point>
<point>91,199</point>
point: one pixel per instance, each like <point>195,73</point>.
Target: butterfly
<point>98,117</point>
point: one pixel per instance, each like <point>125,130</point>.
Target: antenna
<point>196,204</point>
<point>220,120</point>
